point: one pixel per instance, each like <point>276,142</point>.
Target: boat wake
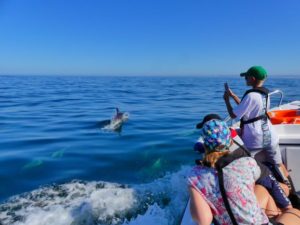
<point>96,203</point>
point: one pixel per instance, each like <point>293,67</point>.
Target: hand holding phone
<point>226,87</point>
<point>228,91</point>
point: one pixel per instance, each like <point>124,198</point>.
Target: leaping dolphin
<point>118,120</point>
<point>115,124</point>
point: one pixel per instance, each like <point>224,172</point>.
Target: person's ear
<point>253,79</point>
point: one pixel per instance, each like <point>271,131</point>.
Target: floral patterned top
<point>239,179</point>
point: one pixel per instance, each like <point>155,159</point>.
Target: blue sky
<point>149,37</point>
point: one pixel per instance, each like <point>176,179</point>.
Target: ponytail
<point>212,157</point>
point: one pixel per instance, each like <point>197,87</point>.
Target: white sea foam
<point>96,203</point>
<point>154,215</point>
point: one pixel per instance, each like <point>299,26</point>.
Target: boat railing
<point>277,92</point>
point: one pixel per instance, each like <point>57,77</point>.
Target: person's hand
<point>226,86</point>
<point>226,96</point>
<point>228,90</point>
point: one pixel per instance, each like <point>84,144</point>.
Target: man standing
<point>256,129</point>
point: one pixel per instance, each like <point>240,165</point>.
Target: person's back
<point>251,107</point>
<point>239,179</point>
<point>223,187</point>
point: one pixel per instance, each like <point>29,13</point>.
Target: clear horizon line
<point>136,75</point>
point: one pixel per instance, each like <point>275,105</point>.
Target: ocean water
<point>59,166</point>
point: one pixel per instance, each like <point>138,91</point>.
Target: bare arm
<point>228,105</point>
<point>200,210</point>
<point>236,98</point>
<point>231,94</point>
<point>289,217</point>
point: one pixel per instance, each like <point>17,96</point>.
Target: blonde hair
<point>212,157</point>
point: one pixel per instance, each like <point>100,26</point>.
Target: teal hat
<point>216,135</point>
<point>256,71</point>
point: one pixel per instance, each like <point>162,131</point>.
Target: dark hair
<point>207,118</point>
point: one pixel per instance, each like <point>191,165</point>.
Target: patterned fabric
<point>239,179</point>
<point>216,135</point>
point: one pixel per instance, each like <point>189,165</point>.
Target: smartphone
<point>226,86</point>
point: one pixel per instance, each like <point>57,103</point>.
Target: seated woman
<point>239,178</point>
<point>279,191</point>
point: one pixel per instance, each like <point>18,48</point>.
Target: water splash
<point>96,203</point>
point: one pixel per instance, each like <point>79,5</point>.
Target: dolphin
<point>118,115</point>
<point>115,124</point>
<point>32,164</point>
<point>118,120</point>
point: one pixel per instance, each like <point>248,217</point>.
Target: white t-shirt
<point>250,107</point>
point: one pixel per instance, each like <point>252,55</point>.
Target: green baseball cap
<point>256,71</point>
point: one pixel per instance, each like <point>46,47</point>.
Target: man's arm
<point>231,94</point>
<point>236,98</point>
<point>228,105</point>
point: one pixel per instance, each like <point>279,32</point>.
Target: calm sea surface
<point>58,166</point>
